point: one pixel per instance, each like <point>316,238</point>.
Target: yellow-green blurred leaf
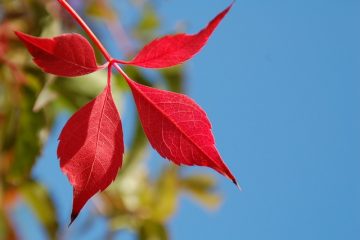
<point>24,128</point>
<point>45,97</point>
<point>76,92</point>
<point>101,9</point>
<point>122,221</point>
<point>149,20</point>
<point>151,230</point>
<point>201,187</point>
<point>174,78</point>
<point>199,182</point>
<point>147,25</point>
<point>137,148</point>
<point>165,198</point>
<point>136,74</point>
<point>37,198</point>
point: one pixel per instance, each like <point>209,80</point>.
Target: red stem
<point>86,28</point>
<point>127,78</point>
<point>121,61</point>
<point>97,42</point>
<point>109,74</point>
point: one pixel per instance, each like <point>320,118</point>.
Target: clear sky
<point>280,81</point>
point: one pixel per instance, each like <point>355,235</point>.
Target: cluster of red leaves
<point>91,144</point>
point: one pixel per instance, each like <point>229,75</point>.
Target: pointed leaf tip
<point>177,128</point>
<point>237,184</point>
<point>172,50</point>
<point>91,149</point>
<point>72,218</point>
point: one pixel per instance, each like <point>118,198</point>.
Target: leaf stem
<point>121,61</point>
<point>119,69</point>
<point>109,74</point>
<point>89,32</point>
<point>86,28</point>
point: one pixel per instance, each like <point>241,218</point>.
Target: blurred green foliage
<point>30,101</point>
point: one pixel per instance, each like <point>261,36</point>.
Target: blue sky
<point>280,81</point>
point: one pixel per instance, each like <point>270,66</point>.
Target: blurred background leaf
<point>37,198</point>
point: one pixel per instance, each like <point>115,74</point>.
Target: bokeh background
<point>280,81</point>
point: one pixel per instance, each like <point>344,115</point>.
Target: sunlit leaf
<point>177,128</point>
<point>171,50</point>
<point>91,148</point>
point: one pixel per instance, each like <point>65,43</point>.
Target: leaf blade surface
<point>172,50</point>
<point>177,128</point>
<point>67,55</point>
<point>91,148</point>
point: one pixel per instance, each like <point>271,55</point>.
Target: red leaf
<point>67,55</point>
<point>177,128</point>
<point>91,148</point>
<point>175,49</point>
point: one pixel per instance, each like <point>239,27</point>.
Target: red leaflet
<point>67,55</point>
<point>91,148</point>
<point>177,128</point>
<point>175,49</point>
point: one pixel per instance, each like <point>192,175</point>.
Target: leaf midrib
<point>97,136</point>
<point>62,59</point>
<point>174,123</point>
